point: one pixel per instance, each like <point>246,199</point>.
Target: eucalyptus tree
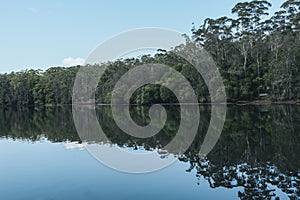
<point>5,90</point>
<point>247,27</point>
<point>292,9</point>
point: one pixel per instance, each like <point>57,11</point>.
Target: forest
<point>257,54</point>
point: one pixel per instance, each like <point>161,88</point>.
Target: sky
<point>42,34</point>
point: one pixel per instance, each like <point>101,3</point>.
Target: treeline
<point>34,87</point>
<point>258,57</point>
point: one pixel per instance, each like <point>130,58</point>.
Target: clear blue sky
<point>40,34</point>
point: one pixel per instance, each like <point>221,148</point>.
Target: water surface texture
<point>257,157</point>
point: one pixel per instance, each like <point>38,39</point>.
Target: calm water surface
<point>257,157</point>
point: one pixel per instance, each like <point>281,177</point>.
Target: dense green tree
<point>5,91</point>
<point>266,49</point>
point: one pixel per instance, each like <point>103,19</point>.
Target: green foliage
<point>256,54</point>
<point>33,87</point>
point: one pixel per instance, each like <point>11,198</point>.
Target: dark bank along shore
<point>257,102</point>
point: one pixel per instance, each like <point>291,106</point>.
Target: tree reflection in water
<point>257,151</point>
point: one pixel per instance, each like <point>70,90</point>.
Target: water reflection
<point>257,152</point>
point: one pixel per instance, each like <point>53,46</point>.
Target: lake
<point>256,157</point>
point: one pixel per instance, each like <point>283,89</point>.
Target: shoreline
<point>238,103</point>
